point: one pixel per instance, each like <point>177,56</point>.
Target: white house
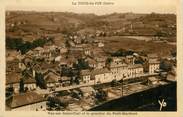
<point>57,59</point>
<point>52,79</point>
<point>30,83</point>
<point>85,76</point>
<point>92,63</point>
<point>130,59</point>
<point>101,75</point>
<point>153,65</point>
<point>63,50</point>
<point>118,70</point>
<point>100,44</point>
<point>135,70</point>
<point>101,61</point>
<point>117,60</point>
<point>87,51</point>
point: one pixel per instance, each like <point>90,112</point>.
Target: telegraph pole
<point>122,88</point>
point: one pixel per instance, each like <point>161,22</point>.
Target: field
<point>161,48</point>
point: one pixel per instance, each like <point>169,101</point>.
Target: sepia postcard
<point>91,58</point>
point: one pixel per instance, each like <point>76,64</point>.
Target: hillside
<point>39,23</point>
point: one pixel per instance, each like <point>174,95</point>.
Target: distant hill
<point>38,23</point>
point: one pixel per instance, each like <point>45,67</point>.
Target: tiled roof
<point>10,58</point>
<point>51,77</point>
<point>48,66</point>
<point>114,65</point>
<point>65,78</point>
<point>38,49</point>
<point>13,78</point>
<point>90,61</point>
<point>100,59</point>
<point>87,89</point>
<point>25,99</point>
<point>129,56</point>
<point>63,61</point>
<point>153,61</point>
<point>100,71</point>
<point>152,79</point>
<point>152,55</point>
<point>29,80</point>
<point>85,72</point>
<point>135,66</point>
<point>36,67</point>
<point>30,52</point>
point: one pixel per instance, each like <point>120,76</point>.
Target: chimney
<point>33,73</point>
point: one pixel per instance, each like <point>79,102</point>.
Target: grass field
<point>160,48</point>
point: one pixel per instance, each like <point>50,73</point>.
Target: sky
<point>120,6</point>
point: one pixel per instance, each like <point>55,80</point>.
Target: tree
<point>101,95</point>
<point>173,53</point>
<point>14,43</point>
<point>38,42</point>
<point>77,80</point>
<point>119,52</point>
<point>26,89</point>
<point>109,60</point>
<point>19,44</point>
<point>122,52</point>
<point>40,81</point>
<point>66,71</point>
<point>166,65</point>
<point>82,64</point>
<point>114,83</point>
<point>67,43</point>
<point>139,60</point>
<point>21,84</point>
<point>25,47</point>
<point>55,101</point>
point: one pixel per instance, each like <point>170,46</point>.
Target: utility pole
<point>122,88</point>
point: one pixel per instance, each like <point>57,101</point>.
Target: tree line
<point>24,46</point>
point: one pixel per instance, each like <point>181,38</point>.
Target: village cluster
<point>80,61</point>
